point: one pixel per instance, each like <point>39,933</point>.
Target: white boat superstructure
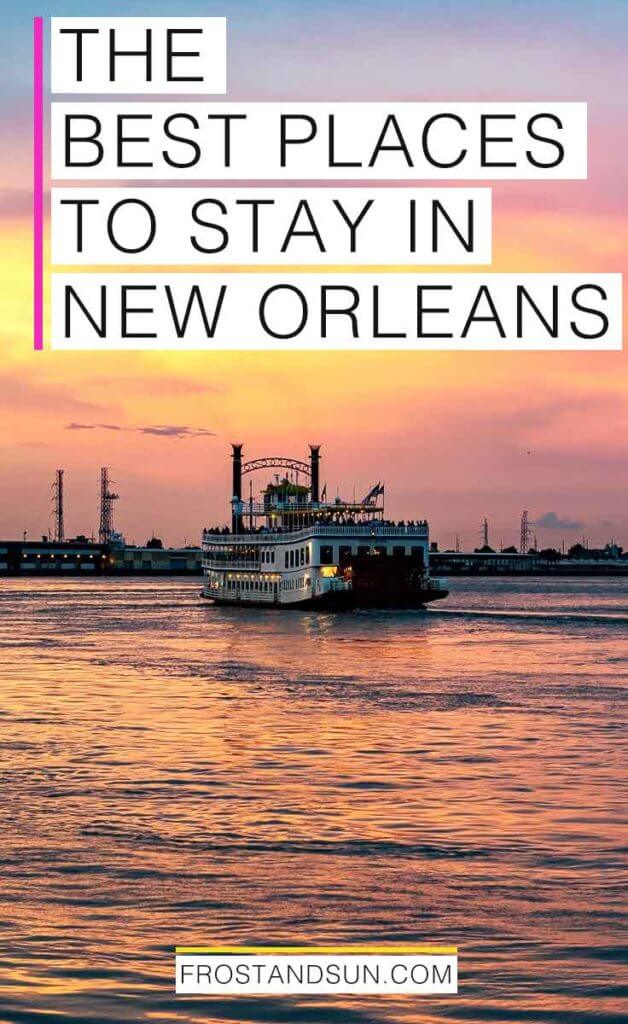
<point>307,551</point>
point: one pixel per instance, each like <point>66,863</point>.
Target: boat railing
<point>230,564</point>
<point>270,536</point>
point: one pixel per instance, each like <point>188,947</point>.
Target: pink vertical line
<point>38,183</point>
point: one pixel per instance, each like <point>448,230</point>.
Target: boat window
<point>344,552</point>
<point>307,555</point>
<point>327,554</point>
<point>292,559</point>
<point>417,552</point>
<point>286,559</point>
<point>363,550</point>
<point>398,551</point>
<point>380,549</point>
<point>272,557</point>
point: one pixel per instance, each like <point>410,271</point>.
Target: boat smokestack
<point>315,460</point>
<point>236,517</point>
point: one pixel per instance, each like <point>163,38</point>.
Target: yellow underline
<point>245,950</point>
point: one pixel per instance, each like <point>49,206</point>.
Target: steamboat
<point>292,548</point>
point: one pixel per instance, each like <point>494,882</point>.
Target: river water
<point>175,774</point>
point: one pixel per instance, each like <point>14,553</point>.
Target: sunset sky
<point>456,436</point>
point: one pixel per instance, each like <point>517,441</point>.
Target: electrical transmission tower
<point>524,543</point>
<point>57,497</point>
<point>107,498</point>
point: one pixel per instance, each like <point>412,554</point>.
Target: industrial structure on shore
<point>86,556</point>
<point>512,563</point>
<point>54,554</point>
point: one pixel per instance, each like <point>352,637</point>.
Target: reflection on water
<point>175,773</point>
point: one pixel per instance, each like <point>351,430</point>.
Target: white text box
<point>144,55</point>
<point>328,311</point>
<point>374,226</point>
<point>289,974</point>
<point>317,141</point>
